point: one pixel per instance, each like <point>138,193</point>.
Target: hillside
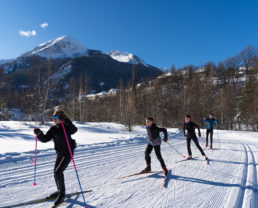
<point>58,68</point>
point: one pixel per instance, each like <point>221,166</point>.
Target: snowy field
<point>106,152</point>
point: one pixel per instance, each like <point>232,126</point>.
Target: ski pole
<point>35,163</point>
<point>176,150</point>
<point>218,137</point>
<point>74,164</point>
<point>203,132</point>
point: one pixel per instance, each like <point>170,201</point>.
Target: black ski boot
<point>189,157</point>
<point>53,195</point>
<point>146,170</point>
<point>165,170</point>
<point>59,200</point>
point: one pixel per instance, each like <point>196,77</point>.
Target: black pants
<point>148,151</point>
<point>209,131</point>
<point>62,161</point>
<point>188,141</point>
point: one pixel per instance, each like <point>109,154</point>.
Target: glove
<point>185,135</point>
<point>165,139</point>
<point>199,134</point>
<point>37,131</point>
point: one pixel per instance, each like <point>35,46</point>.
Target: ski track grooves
<point>250,189</point>
<point>83,159</point>
<point>245,195</point>
<point>239,176</point>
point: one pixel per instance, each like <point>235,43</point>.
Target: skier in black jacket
<point>154,142</point>
<point>190,127</point>
<point>63,156</point>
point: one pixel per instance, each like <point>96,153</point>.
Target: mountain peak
<point>61,47</point>
<point>126,57</point>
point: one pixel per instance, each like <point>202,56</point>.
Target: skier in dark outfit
<point>154,142</point>
<point>63,156</point>
<point>210,125</point>
<point>190,127</point>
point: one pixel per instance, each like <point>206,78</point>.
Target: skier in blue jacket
<point>210,121</point>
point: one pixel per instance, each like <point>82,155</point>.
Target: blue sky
<point>161,32</point>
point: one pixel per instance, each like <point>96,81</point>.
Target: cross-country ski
<point>184,160</point>
<point>165,181</point>
<point>139,173</point>
<point>49,198</point>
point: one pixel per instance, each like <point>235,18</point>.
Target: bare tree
<point>46,91</point>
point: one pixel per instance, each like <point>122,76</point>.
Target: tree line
<point>227,89</point>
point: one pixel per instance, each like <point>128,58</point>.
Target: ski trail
<point>237,195</point>
<point>254,153</point>
<point>251,185</point>
<point>229,181</point>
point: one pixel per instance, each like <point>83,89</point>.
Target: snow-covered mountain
<point>126,57</point>
<point>71,60</point>
<point>3,61</point>
<point>62,47</point>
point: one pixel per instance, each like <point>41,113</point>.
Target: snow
<point>106,152</point>
<point>96,133</point>
<point>101,94</point>
<point>164,75</point>
<point>126,57</point>
<point>3,61</point>
<point>113,91</point>
<point>11,65</point>
<point>61,47</point>
<point>16,114</point>
<point>200,70</point>
<point>101,84</point>
<point>64,70</point>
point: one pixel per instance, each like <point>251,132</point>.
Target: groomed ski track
<point>230,179</point>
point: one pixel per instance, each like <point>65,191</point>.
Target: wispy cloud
<point>44,25</point>
<point>27,33</point>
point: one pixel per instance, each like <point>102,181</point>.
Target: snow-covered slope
<point>61,47</point>
<point>126,57</point>
<point>3,61</point>
<point>64,70</point>
<point>106,152</point>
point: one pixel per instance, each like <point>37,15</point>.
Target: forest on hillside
<point>227,89</point>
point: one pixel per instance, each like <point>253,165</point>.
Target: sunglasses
<point>55,117</point>
<point>148,121</point>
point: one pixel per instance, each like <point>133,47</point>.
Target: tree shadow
<point>232,162</point>
<point>212,183</point>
